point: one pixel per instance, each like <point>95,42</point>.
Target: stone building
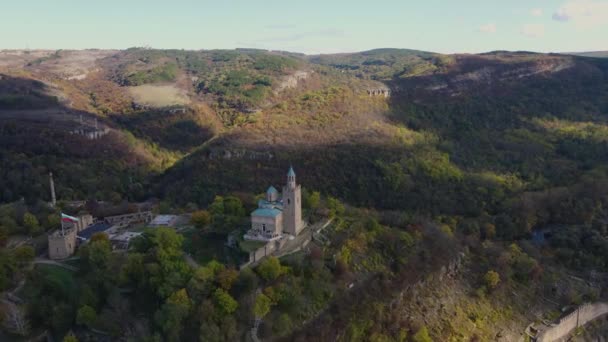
<point>84,221</point>
<point>277,215</point>
<point>62,243</point>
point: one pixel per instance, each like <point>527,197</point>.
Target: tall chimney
<point>52,183</point>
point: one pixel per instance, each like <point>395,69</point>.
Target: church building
<point>278,214</point>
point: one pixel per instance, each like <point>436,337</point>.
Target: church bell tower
<point>292,205</point>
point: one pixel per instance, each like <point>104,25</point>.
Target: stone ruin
<point>385,92</point>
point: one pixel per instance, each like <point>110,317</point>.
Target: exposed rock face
<point>291,81</point>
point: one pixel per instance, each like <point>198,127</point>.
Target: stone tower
<point>292,205</point>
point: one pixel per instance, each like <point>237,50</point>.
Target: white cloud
<point>487,28</point>
<point>537,12</point>
<point>583,13</point>
<point>533,30</point>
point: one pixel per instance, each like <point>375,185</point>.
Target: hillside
<point>476,163</point>
<point>596,54</point>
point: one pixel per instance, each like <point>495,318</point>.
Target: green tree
<point>283,325</point>
<point>217,206</point>
<point>31,224</point>
<point>491,279</point>
<point>133,270</point>
<point>270,268</point>
<point>86,316</point>
<point>166,270</point>
<point>233,207</point>
<point>311,200</point>
<point>4,232</point>
<point>24,254</point>
<point>98,252</point>
<point>53,220</point>
<point>201,283</point>
<point>224,301</point>
<point>336,208</point>
<point>261,307</point>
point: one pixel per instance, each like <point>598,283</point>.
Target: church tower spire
<point>291,178</point>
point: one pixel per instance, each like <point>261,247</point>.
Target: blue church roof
<point>266,212</point>
<point>272,190</point>
<point>291,173</point>
<point>99,227</point>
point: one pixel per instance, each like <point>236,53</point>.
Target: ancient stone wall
<point>581,316</point>
<point>379,92</point>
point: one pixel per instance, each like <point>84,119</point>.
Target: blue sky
<point>311,26</point>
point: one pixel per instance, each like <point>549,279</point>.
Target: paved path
<point>302,239</point>
<point>56,263</point>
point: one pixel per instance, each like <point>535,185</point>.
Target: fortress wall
<point>567,324</point>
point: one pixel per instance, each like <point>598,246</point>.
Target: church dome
<point>272,195</point>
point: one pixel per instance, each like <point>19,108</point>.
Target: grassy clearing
<point>159,95</point>
<point>250,246</point>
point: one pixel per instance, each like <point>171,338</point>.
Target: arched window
<point>288,201</point>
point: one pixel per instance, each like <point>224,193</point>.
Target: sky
<point>311,26</point>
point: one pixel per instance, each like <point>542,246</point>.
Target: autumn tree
<point>172,314</point>
<point>201,218</point>
<point>226,277</point>
<point>491,279</point>
<point>422,336</point>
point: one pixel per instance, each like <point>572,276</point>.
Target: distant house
<point>164,221</point>
<point>126,220</point>
<point>123,240</point>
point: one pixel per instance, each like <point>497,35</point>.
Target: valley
<point>465,194</point>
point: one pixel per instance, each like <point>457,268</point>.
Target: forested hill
<point>199,123</point>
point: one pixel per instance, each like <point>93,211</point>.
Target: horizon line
<point>302,53</point>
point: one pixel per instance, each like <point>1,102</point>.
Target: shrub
<point>491,279</point>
